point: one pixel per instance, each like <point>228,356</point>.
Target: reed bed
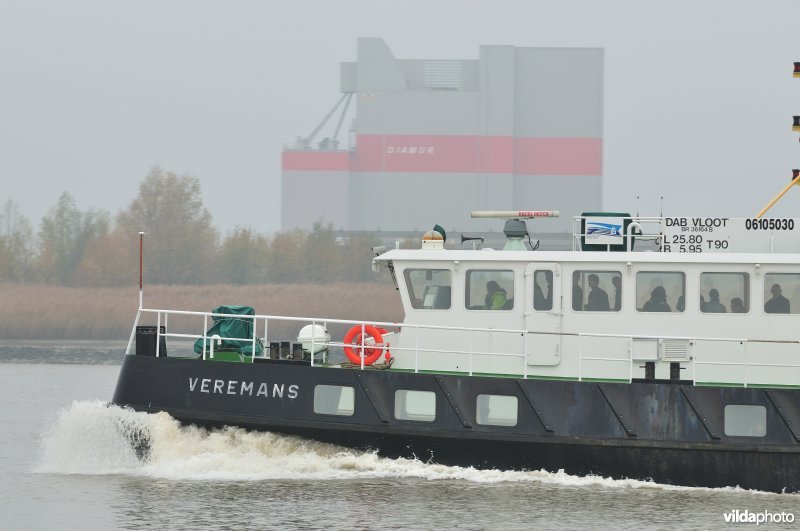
<point>36,311</point>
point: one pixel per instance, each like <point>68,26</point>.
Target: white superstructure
<point>704,315</point>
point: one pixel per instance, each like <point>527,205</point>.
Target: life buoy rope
<point>372,350</point>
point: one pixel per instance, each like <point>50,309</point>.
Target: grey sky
<point>698,102</point>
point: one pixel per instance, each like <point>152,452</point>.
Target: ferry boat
<point>662,349</point>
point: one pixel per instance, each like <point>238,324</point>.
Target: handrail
<point>255,318</point>
<point>335,321</point>
<point>696,359</point>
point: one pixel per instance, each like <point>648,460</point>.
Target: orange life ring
<point>353,339</point>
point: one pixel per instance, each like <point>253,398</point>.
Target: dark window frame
<point>584,287</point>
<point>418,302</point>
<point>509,294</point>
<point>678,308</point>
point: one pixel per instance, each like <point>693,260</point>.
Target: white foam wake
<point>93,438</point>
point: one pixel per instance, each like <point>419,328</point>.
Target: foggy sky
<point>698,94</point>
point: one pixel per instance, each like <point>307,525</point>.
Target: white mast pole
<point>141,276</point>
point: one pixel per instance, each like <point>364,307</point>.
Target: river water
<point>66,464</point>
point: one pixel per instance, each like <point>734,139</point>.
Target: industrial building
<point>432,140</point>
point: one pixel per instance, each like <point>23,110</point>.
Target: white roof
<point>493,256</point>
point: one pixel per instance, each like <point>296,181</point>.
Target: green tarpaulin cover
<point>228,327</point>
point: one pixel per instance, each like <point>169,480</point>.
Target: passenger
<point>737,306</point>
<point>778,303</point>
<point>658,301</point>
<point>617,281</point>
<point>598,298</point>
<point>540,301</point>
<point>495,296</point>
<point>713,305</point>
<point>577,292</point>
<point>681,304</point>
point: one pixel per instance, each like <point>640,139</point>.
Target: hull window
<point>334,400</point>
<point>496,410</point>
<point>745,421</point>
<point>415,405</point>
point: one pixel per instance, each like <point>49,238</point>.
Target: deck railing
<point>624,358</point>
<point>698,357</point>
<point>262,323</point>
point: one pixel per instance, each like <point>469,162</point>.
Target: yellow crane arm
<point>795,180</point>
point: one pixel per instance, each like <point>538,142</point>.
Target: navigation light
<point>433,239</point>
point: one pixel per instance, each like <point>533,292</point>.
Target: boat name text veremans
<point>242,388</point>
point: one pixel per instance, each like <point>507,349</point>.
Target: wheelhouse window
<point>489,290</point>
<point>724,292</point>
<point>334,400</point>
<point>660,291</point>
<point>782,293</point>
<point>745,421</point>
<point>429,289</point>
<point>496,410</point>
<point>415,405</point>
<point>596,291</point>
<point>543,290</point>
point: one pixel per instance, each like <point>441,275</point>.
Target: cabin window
<point>596,291</point>
<point>489,290</point>
<point>724,292</point>
<point>415,405</point>
<point>496,410</point>
<point>660,291</point>
<point>782,293</point>
<point>745,421</point>
<point>543,290</point>
<point>334,400</point>
<point>428,289</point>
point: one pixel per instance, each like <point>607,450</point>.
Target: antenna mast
<point>141,262</point>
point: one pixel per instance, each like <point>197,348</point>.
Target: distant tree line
<point>93,248</point>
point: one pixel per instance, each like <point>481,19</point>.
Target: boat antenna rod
<point>141,276</point>
<point>795,180</point>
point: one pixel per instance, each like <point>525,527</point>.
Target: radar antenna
<point>515,228</point>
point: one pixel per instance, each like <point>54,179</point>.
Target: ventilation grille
<point>675,350</point>
<point>442,75</point>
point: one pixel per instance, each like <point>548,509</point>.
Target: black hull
<point>664,432</point>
